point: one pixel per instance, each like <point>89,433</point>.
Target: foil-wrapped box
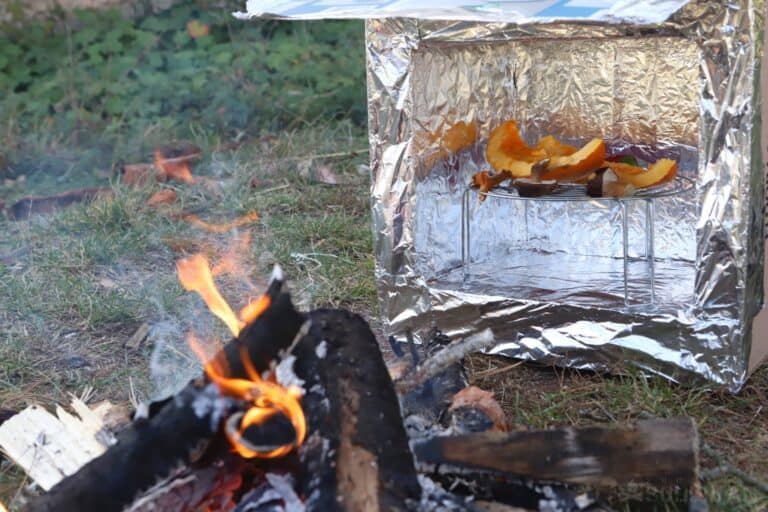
<point>671,283</point>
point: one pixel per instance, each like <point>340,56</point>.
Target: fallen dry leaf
<point>165,196</point>
<point>197,29</point>
<point>475,398</point>
<point>325,174</point>
<point>136,175</point>
<point>107,283</point>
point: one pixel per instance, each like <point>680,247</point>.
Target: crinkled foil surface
<point>547,277</point>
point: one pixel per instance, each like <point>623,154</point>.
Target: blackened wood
<point>177,429</point>
<point>28,206</point>
<point>654,451</point>
<point>356,456</point>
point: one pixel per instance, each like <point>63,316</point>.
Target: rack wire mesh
<point>573,193</point>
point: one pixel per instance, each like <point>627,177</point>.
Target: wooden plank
<point>655,451</point>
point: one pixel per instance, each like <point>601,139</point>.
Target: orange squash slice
<point>553,147</point>
<point>507,151</point>
<point>577,165</point>
<point>659,172</point>
<point>622,168</point>
<point>459,136</point>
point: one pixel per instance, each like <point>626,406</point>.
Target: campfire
<point>298,411</point>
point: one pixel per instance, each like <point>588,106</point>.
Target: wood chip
<point>46,447</point>
<point>138,337</point>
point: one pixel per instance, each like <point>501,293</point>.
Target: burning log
<point>178,430</point>
<point>356,456</point>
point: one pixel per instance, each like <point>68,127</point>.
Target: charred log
<point>654,451</point>
<point>176,431</point>
<point>356,457</point>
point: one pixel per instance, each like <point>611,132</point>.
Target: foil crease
<point>547,277</point>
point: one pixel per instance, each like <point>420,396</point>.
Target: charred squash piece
<point>507,151</point>
<point>659,172</point>
<point>577,165</point>
<point>553,147</point>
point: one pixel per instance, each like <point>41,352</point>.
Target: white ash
<point>285,375</point>
<point>277,274</point>
<point>321,350</point>
<point>142,412</point>
<point>436,499</point>
<point>209,402</point>
<point>283,484</point>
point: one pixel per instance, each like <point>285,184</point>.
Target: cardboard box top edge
<point>637,12</point>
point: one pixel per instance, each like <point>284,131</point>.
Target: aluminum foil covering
<point>655,78</point>
<point>547,277</point>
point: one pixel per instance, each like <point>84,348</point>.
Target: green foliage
<point>99,73</point>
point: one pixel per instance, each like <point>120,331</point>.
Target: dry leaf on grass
<point>325,174</point>
<point>475,398</point>
<point>165,196</point>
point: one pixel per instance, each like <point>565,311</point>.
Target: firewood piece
<point>177,430</point>
<point>654,451</point>
<point>448,356</point>
<point>29,206</point>
<point>148,450</point>
<point>356,456</point>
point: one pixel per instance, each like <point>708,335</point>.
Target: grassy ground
<point>76,285</point>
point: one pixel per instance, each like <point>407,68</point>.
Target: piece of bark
<point>356,456</point>
<point>178,429</point>
<point>653,451</point>
<point>37,205</point>
<point>135,341</point>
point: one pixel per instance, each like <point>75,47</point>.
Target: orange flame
<point>195,275</point>
<point>174,168</point>
<point>267,397</point>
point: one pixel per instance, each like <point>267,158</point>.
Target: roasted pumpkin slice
<point>622,168</point>
<point>459,136</point>
<point>507,151</point>
<point>553,147</point>
<point>581,163</point>
<point>659,172</point>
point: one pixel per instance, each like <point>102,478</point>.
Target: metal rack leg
<point>625,247</point>
<point>650,249</point>
<point>525,206</point>
<point>465,235</point>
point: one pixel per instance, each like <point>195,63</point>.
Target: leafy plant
<point>93,72</point>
